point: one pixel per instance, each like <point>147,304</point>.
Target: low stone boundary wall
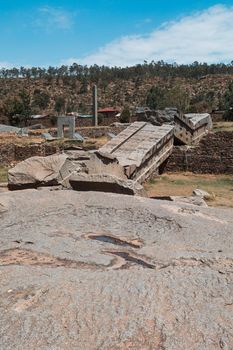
<point>100,131</point>
<point>103,121</point>
<point>213,155</point>
<point>10,153</point>
<point>91,132</point>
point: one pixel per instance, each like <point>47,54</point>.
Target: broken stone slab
<point>105,183</point>
<point>48,137</point>
<point>42,171</point>
<point>201,193</point>
<point>104,163</point>
<point>191,127</point>
<point>196,120</point>
<point>56,169</point>
<point>106,157</point>
<point>184,199</point>
<point>110,135</point>
<point>13,129</point>
<point>156,117</point>
<point>8,129</point>
<point>23,132</point>
<point>189,200</point>
<point>78,155</point>
<point>78,137</point>
<point>98,162</point>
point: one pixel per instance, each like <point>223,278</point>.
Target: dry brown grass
<point>35,137</point>
<point>182,184</point>
<point>222,126</point>
<point>6,138</point>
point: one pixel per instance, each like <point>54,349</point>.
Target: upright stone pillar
<point>95,105</point>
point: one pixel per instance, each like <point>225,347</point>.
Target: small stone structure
<point>190,128</point>
<point>68,121</point>
<point>141,148</point>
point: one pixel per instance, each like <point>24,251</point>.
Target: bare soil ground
<point>182,184</point>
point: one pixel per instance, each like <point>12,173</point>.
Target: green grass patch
<point>3,174</point>
<point>224,182</point>
<point>177,182</point>
<point>154,181</point>
<point>198,182</point>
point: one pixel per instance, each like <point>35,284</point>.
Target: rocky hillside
<point>57,95</point>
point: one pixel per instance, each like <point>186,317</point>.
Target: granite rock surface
<point>105,271</point>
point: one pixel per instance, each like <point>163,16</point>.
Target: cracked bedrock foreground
<point>105,271</point>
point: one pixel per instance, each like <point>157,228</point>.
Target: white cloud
<point>54,18</point>
<point>203,36</point>
<point>7,65</point>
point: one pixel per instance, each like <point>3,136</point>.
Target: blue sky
<point>114,32</point>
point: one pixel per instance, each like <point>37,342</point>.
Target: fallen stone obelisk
<point>191,127</point>
<point>141,149</point>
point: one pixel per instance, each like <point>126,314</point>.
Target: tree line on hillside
<point>97,73</point>
<point>21,106</point>
<point>159,97</point>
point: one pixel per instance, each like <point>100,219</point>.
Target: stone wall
<point>103,121</point>
<point>214,155</point>
<point>100,131</point>
<point>51,122</point>
<point>91,132</point>
<point>7,153</point>
<point>11,153</point>
<point>217,116</point>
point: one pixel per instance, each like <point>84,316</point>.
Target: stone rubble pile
<point>77,170</point>
<point>120,166</point>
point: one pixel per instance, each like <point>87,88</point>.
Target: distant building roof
<point>38,116</point>
<point>76,114</point>
<point>109,110</point>
<point>85,116</point>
